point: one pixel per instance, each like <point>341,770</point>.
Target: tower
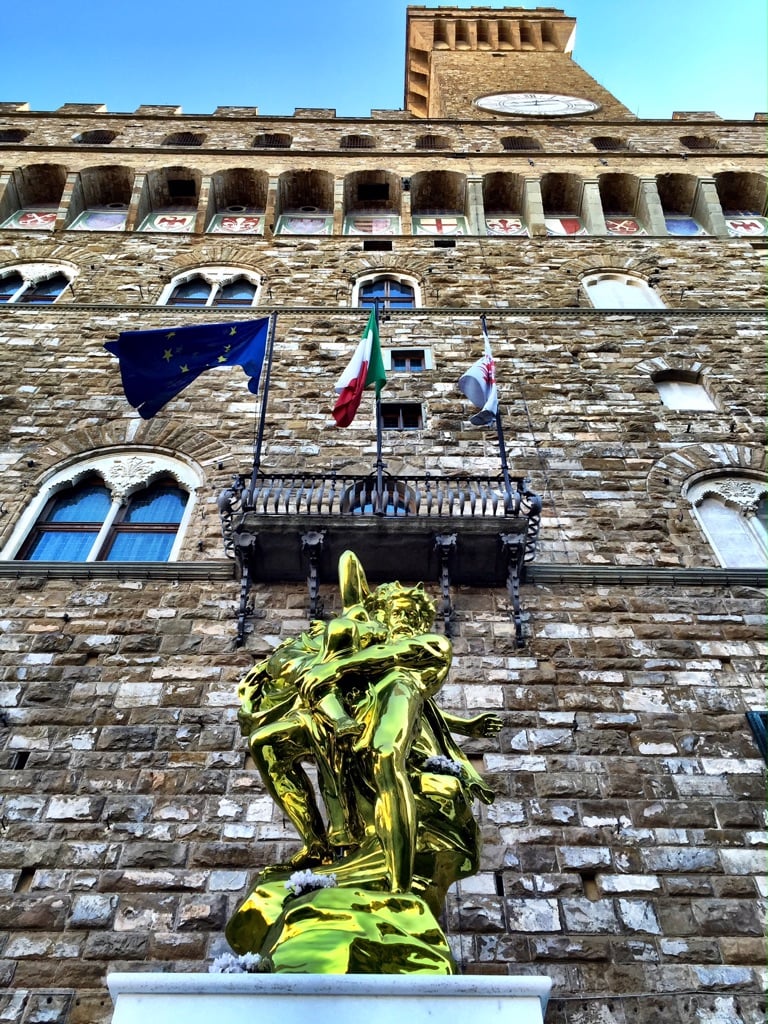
<point>515,62</point>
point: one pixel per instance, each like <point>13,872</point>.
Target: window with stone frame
<point>615,290</point>
<point>683,390</point>
<point>732,511</point>
<point>122,508</point>
<point>387,291</point>
<point>401,416</point>
<point>212,286</point>
<point>407,360</point>
<point>39,283</point>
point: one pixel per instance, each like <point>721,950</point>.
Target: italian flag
<point>366,367</point>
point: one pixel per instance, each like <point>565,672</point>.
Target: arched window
<point>520,142</point>
<point>272,140</point>
<point>733,513</point>
<point>357,142</point>
<point>183,139</point>
<point>388,291</point>
<point>122,508</point>
<point>12,134</point>
<point>212,286</point>
<point>614,290</point>
<point>95,137</point>
<point>682,389</point>
<point>33,282</point>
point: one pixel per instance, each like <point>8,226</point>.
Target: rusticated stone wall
<point>625,853</point>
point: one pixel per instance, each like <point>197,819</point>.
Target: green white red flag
<point>365,368</point>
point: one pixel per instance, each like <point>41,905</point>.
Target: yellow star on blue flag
<point>153,373</point>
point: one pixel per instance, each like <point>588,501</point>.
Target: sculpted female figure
<point>356,697</point>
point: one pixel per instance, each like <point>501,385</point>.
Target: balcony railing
<point>334,496</point>
<point>468,530</point>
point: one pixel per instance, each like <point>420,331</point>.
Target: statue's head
<point>405,611</point>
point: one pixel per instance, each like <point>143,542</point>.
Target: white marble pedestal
<point>326,999</point>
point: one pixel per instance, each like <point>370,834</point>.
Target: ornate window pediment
<point>131,506</point>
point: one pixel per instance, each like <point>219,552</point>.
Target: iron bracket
<point>445,543</point>
<point>312,543</point>
<point>514,549</point>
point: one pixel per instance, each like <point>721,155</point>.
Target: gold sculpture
<point>354,697</point>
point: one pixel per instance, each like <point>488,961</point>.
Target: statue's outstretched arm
<point>485,724</point>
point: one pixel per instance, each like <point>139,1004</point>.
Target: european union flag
<point>156,365</point>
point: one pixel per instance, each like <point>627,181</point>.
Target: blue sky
<point>656,56</point>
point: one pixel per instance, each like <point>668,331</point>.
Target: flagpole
<point>509,504</point>
<point>379,462</point>
<point>264,398</point>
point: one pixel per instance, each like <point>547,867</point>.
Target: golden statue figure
<point>355,698</point>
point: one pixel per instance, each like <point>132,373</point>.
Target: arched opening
<point>100,199</point>
<point>439,203</point>
<point>305,203</point>
<point>32,197</point>
<point>619,196</point>
<point>742,196</point>
<point>562,196</point>
<point>677,193</point>
<point>503,201</point>
<point>372,203</point>
<point>169,200</point>
<point>236,202</point>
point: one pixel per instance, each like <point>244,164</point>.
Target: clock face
<point>536,104</point>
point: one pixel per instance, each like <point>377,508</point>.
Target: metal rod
<point>509,503</point>
<point>264,399</point>
<point>379,506</point>
<point>504,464</point>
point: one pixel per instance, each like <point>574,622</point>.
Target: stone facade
<point>625,853</point>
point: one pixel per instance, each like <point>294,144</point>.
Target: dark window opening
<point>372,191</point>
<point>377,245</point>
<point>520,142</point>
<point>181,188</point>
<point>12,135</point>
<point>444,243</point>
<point>272,140</point>
<point>183,139</point>
<point>606,143</point>
<point>97,137</point>
<point>432,142</point>
<point>9,285</point>
<point>401,416</point>
<point>357,142</point>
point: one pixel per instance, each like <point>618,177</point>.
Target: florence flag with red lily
<point>366,367</point>
<point>478,384</point>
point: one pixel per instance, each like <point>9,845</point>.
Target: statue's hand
<point>486,724</point>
